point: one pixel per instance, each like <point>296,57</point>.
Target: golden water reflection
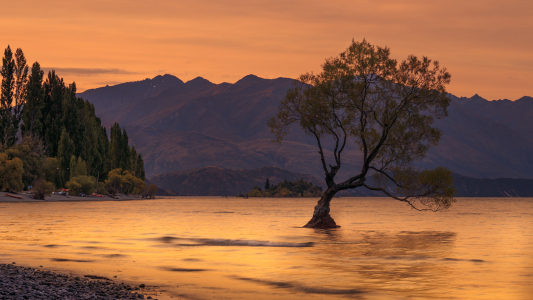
<point>225,248</point>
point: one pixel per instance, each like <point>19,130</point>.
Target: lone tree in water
<point>387,108</point>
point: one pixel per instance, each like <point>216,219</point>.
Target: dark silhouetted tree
<point>32,111</point>
<point>7,132</point>
<point>387,109</point>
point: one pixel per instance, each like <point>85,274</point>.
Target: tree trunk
<point>321,218</point>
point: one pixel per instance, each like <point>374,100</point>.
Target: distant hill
<point>182,126</point>
<point>517,115</point>
<point>213,181</point>
<point>160,191</point>
<point>500,187</point>
<point>110,97</point>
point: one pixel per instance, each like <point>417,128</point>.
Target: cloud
<point>88,71</point>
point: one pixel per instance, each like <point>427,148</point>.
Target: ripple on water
<point>70,260</point>
<point>183,269</point>
<point>230,242</point>
<point>301,288</point>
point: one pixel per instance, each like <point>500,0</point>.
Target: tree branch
<point>402,199</point>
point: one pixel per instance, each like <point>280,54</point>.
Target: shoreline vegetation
<point>19,282</point>
<point>299,188</point>
<point>52,140</point>
<point>28,197</point>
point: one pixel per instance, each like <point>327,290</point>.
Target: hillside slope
<point>213,181</point>
<point>181,126</point>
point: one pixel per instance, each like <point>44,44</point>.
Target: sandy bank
<point>26,197</point>
<point>18,282</point>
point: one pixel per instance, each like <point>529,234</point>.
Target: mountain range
<point>180,126</point>
<point>214,181</point>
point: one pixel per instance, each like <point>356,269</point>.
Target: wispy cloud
<point>88,71</point>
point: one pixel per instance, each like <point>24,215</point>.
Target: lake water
<point>231,248</point>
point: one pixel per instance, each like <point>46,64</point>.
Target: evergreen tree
<point>133,161</point>
<point>120,155</point>
<point>64,153</point>
<point>54,88</point>
<point>81,168</point>
<point>71,118</point>
<point>68,127</point>
<point>267,184</point>
<point>140,167</point>
<point>31,113</point>
<point>21,82</point>
<point>125,152</point>
<point>72,166</point>
<point>114,148</point>
<point>6,99</point>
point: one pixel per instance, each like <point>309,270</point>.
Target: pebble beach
<point>20,283</point>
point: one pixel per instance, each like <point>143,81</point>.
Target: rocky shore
<point>27,283</point>
<point>27,197</point>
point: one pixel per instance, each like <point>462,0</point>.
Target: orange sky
<point>486,45</point>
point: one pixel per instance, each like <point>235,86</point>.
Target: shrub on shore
<point>42,188</point>
<point>286,188</point>
<point>11,171</point>
<point>81,184</point>
<point>124,182</point>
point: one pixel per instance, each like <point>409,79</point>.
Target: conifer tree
<point>140,167</point>
<point>31,113</point>
<point>114,148</point>
<point>72,166</point>
<point>6,99</point>
<point>54,88</point>
<point>21,82</point>
<point>125,152</point>
<point>64,153</point>
<point>81,168</point>
<point>133,161</point>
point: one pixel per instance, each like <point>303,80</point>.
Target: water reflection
<point>214,248</point>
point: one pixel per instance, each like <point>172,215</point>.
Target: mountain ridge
<point>175,126</point>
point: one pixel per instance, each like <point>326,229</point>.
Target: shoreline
<point>20,282</point>
<point>27,197</point>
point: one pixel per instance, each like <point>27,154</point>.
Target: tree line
<point>299,188</point>
<point>48,134</point>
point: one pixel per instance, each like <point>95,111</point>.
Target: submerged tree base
<point>322,222</point>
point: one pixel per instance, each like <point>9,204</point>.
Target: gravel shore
<point>27,283</point>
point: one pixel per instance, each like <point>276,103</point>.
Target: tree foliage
<point>32,112</point>
<point>7,132</point>
<point>150,191</point>
<point>11,171</point>
<point>387,108</point>
<point>125,182</point>
<point>30,152</point>
<point>62,124</point>
<point>81,184</point>
<point>42,188</point>
<point>300,188</point>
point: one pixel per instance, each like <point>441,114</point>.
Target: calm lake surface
<point>231,248</point>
